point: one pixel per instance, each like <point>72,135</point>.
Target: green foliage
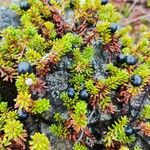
<point>78,80</point>
<point>79,115</point>
<point>90,87</point>
<point>86,4</point>
<point>40,105</point>
<point>50,29</point>
<point>32,56</point>
<point>112,69</point>
<point>65,44</point>
<point>34,14</point>
<point>13,129</point>
<point>68,102</point>
<point>124,148</point>
<point>124,37</point>
<point>144,71</point>
<point>124,31</point>
<point>78,146</point>
<point>10,128</point>
<point>20,82</point>
<point>61,5</point>
<point>42,39</point>
<point>146,112</point>
<point>37,43</point>
<point>17,40</point>
<point>23,101</point>
<point>30,31</point>
<point>116,133</point>
<point>119,78</point>
<point>58,130</point>
<point>106,11</point>
<point>137,148</point>
<point>6,115</point>
<point>142,45</point>
<point>103,29</point>
<point>25,42</point>
<point>12,34</point>
<point>8,48</point>
<point>3,107</point>
<point>82,60</point>
<point>39,141</point>
<point>126,41</point>
<point>105,102</point>
<point>126,51</point>
<point>148,3</point>
<point>58,117</point>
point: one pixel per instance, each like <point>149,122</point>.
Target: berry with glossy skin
<point>84,95</point>
<point>120,59</point>
<point>22,115</point>
<point>104,2</point>
<point>71,92</point>
<point>24,67</point>
<point>129,130</point>
<point>131,60</point>
<point>113,28</point>
<point>24,5</point>
<point>136,80</point>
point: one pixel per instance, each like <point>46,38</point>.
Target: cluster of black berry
<point>136,80</point>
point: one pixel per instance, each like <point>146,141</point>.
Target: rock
<point>8,18</point>
<point>69,17</point>
<point>57,82</point>
<point>99,61</point>
<point>105,117</point>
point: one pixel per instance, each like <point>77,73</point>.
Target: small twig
<point>82,133</point>
<point>130,9</point>
<point>136,19</point>
<point>132,6</point>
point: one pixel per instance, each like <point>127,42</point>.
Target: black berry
<point>104,2</point>
<point>113,28</point>
<point>22,115</point>
<point>129,130</point>
<point>131,60</point>
<point>84,95</point>
<point>107,73</point>
<point>136,80</point>
<point>71,92</point>
<point>24,5</point>
<point>24,67</point>
<point>121,59</point>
